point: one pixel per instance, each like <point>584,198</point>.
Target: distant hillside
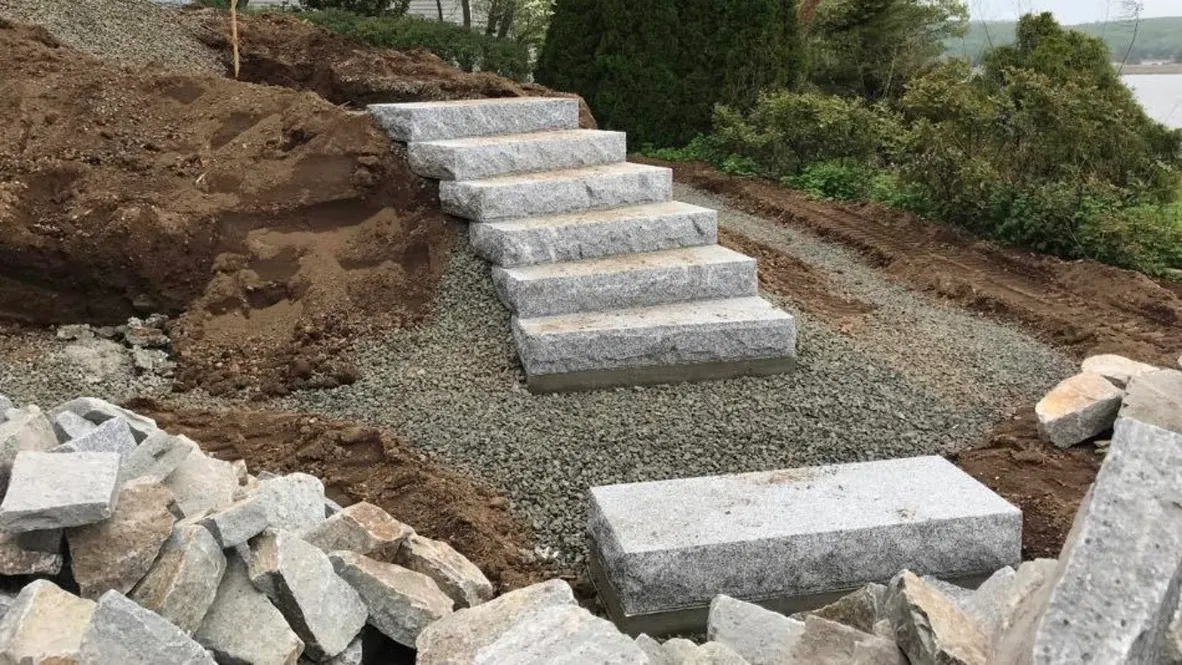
<point>1157,38</point>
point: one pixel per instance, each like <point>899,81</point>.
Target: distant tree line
<point>1151,39</point>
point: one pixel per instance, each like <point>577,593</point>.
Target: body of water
<point>1160,94</point>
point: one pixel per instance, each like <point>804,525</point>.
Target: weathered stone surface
<point>68,425</point>
<point>713,653</point>
<point>321,607</point>
<point>7,598</point>
<point>435,121</point>
<point>761,636</point>
<point>401,602</point>
<point>294,502</point>
<point>44,626</point>
<point>987,604</point>
<point>52,491</point>
<point>590,234</point>
<point>157,457</point>
<point>239,522</point>
<point>125,633</point>
<point>241,471</point>
<point>1014,636</point>
<point>98,411</point>
<point>31,553</point>
<point>1117,369</point>
<point>116,553</point>
<point>363,528</point>
<point>537,625</point>
<point>556,192</point>
<point>352,655</point>
<point>825,642</point>
<point>201,484</point>
<point>25,429</point>
<point>182,583</point>
<point>491,156</point>
<point>929,627</point>
<point>243,627</point>
<point>1173,640</point>
<point>861,609</point>
<point>652,649</point>
<point>708,272</point>
<point>954,592</point>
<point>5,404</point>
<point>1155,398</point>
<point>678,650</point>
<point>1078,409</point>
<point>458,577</point>
<point>113,436</point>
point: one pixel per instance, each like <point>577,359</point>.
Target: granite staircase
<point>610,281</point>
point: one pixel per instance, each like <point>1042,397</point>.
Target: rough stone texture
<point>954,592</point>
<point>401,602</point>
<point>1173,641</point>
<point>490,156</point>
<point>727,331</point>
<point>243,627</point>
<point>861,609</point>
<point>458,577</point>
<point>597,233</point>
<point>117,553</point>
<point>1117,369</point>
<point>363,528</point>
<point>761,636</point>
<point>556,192</point>
<point>125,633</point>
<point>68,425</point>
<point>988,603</point>
<point>797,532</point>
<point>5,404</point>
<point>113,436</point>
<point>929,627</point>
<point>713,653</point>
<point>44,626</point>
<point>52,491</point>
<point>201,484</point>
<point>825,642</point>
<point>435,121</point>
<point>31,553</point>
<point>320,607</point>
<point>294,502</point>
<point>1024,606</point>
<point>1155,398</point>
<point>352,655</point>
<point>538,625</point>
<point>183,581</point>
<point>157,457</point>
<point>25,429</point>
<point>708,272</point>
<point>98,411</point>
<point>679,650</point>
<point>652,649</point>
<point>238,522</point>
<point>1078,409</point>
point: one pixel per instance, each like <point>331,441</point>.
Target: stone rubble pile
<point>143,345</point>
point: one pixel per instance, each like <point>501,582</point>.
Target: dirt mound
<point>282,222</point>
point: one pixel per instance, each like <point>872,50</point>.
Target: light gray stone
<point>679,650</point>
<point>401,602</point>
<point>713,653</point>
<point>182,583</point>
<point>861,610</point>
<point>458,577</point>
<point>68,425</point>
<point>708,272</point>
<point>987,604</point>
<point>652,649</point>
<point>1025,604</point>
<point>5,405</point>
<point>1155,398</point>
<point>538,625</point>
<point>797,532</point>
<point>1078,409</point>
<point>31,553</point>
<point>125,633</point>
<point>97,360</point>
<point>929,627</point>
<point>113,436</point>
<point>241,471</point>
<point>433,121</point>
<point>1173,639</point>
<point>201,484</point>
<point>1117,369</point>
<point>98,411</point>
<point>243,627</point>
<point>117,552</point>
<point>294,502</point>
<point>352,655</point>
<point>761,636</point>
<point>51,491</point>
<point>321,607</point>
<point>954,592</point>
<point>825,642</point>
<point>597,233</point>
<point>735,333</point>
<point>7,598</point>
<point>363,528</point>
<point>490,156</point>
<point>25,429</point>
<point>44,626</point>
<point>556,192</point>
<point>157,457</point>
<point>239,522</point>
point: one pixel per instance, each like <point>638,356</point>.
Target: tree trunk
<point>466,5</point>
<point>439,8</point>
<point>507,19</point>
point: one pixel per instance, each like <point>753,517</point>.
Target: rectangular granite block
<point>435,121</point>
<point>490,156</point>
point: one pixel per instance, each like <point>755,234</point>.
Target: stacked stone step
<point>609,280</point>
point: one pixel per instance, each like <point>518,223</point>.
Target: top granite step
<point>437,121</point>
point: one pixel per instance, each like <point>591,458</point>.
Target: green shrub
<point>841,180</point>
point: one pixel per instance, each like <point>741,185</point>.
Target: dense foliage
<point>1134,41</point>
<point>363,7</point>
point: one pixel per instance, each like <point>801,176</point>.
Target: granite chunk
<point>929,627</point>
<point>1155,398</point>
<point>294,502</point>
<point>52,491</point>
<point>201,484</point>
<point>861,609</point>
<point>116,553</point>
<point>157,457</point>
<point>401,602</point>
<point>1078,409</point>
<point>44,626</point>
<point>363,528</point>
<point>68,425</point>
<point>99,411</point>
<point>125,633</point>
<point>243,627</point>
<point>458,577</point>
<point>759,635</point>
<point>1117,369</point>
<point>239,522</point>
<point>112,436</point>
<point>24,429</point>
<point>182,583</point>
<point>825,642</point>
<point>31,553</point>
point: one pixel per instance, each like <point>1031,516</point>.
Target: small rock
<point>25,429</point>
<point>113,436</point>
<point>1023,607</point>
<point>1117,369</point>
<point>241,471</point>
<point>761,636</point>
<point>145,333</point>
<point>713,653</point>
<point>1155,398</point>
<point>5,405</point>
<point>31,553</point>
<point>98,360</point>
<point>243,627</point>
<point>679,650</point>
<point>157,457</point>
<point>1173,646</point>
<point>239,522</point>
<point>1078,409</point>
<point>352,655</point>
<point>954,592</point>
<point>331,507</point>
<point>201,484</point>
<point>401,602</point>
<point>152,361</point>
<point>827,642</point>
<point>322,608</point>
<point>182,583</point>
<point>117,553</point>
<point>74,331</point>
<point>986,605</point>
<point>125,633</point>
<point>98,411</point>
<point>50,491</point>
<point>861,609</point>
<point>363,528</point>
<point>458,577</point>
<point>929,627</point>
<point>44,626</point>
<point>652,649</point>
<point>68,425</point>
<point>294,502</point>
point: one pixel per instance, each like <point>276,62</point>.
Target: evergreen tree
<point>567,61</point>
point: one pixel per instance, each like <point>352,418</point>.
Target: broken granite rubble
<point>117,552</point>
<point>123,632</point>
<point>1155,398</point>
<point>68,425</point>
<point>294,502</point>
<point>183,581</point>
<point>157,457</point>
<point>826,642</point>
<point>239,522</point>
<point>363,528</point>
<point>31,553</point>
<point>201,484</point>
<point>44,626</point>
<point>52,491</point>
<point>113,436</point>
<point>1079,408</point>
<point>986,605</point>
<point>401,602</point>
<point>759,635</point>
<point>1117,369</point>
<point>99,411</point>
<point>455,574</point>
<point>861,609</point>
<point>25,429</point>
<point>929,627</point>
<point>243,627</point>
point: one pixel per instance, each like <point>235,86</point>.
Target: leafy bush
<point>842,180</point>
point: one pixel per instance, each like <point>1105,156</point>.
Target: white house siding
<point>453,11</point>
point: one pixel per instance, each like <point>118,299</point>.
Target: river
<point>1160,94</point>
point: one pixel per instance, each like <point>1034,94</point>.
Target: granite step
<point>708,272</point>
<point>694,341</point>
<point>556,192</point>
<point>491,156</point>
<point>598,233</point>
<point>436,121</point>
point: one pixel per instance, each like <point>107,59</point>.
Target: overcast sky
<point>1070,11</point>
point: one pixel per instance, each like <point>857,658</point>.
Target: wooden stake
<point>234,32</point>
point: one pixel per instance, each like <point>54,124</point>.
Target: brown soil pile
<point>283,223</point>
<point>359,463</point>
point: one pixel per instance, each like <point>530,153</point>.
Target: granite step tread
<point>478,157</point>
<point>433,121</point>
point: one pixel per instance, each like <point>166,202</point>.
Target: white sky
<point>1070,12</point>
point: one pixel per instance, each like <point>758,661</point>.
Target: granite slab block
<point>99,411</point>
<point>53,491</point>
<point>1155,398</point>
<point>112,436</point>
<point>1078,409</point>
<point>433,121</point>
<point>491,156</point>
<point>69,425</point>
